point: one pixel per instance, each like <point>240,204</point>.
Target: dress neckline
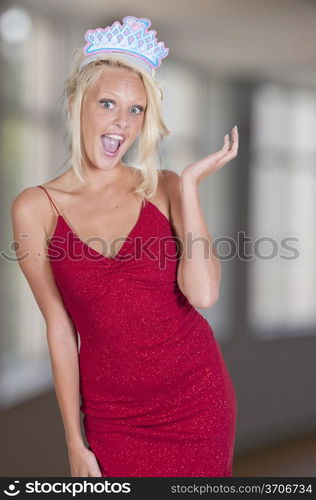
<point>145,204</point>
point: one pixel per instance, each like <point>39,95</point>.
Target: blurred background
<point>245,62</point>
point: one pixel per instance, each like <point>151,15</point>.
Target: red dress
<point>156,395</point>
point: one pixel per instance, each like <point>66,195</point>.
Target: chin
<point>108,162</point>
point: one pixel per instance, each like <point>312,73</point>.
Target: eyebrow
<point>142,99</point>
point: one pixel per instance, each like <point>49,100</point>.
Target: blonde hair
<point>153,129</point>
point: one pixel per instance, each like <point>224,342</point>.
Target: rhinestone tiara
<point>131,39</point>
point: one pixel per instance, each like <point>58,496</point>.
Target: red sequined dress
<point>156,395</point>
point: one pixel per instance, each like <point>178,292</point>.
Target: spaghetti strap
<point>50,198</point>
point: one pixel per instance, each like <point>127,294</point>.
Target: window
<point>31,149</point>
<point>282,288</point>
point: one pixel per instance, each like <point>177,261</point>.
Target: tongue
<point>110,145</point>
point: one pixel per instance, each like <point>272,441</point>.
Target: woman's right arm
<point>28,219</point>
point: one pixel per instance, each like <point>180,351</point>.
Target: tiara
<point>131,39</point>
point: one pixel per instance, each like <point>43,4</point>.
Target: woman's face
<point>112,116</point>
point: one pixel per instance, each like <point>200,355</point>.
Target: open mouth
<point>111,143</point>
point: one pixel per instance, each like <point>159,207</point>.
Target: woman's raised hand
<point>198,170</point>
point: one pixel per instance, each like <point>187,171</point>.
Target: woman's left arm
<point>199,270</point>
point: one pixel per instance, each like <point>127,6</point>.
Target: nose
<point>121,119</point>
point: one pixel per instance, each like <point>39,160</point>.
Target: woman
<point>156,395</point>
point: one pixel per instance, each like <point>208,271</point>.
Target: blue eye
<point>107,103</point>
<point>138,110</point>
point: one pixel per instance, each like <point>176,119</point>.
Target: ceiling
<point>240,38</point>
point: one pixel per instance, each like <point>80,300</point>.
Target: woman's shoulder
<point>163,195</point>
<point>169,178</point>
<point>168,174</point>
<point>170,181</point>
<point>32,201</point>
<point>28,200</point>
<point>28,209</point>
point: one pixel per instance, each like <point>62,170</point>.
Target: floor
<point>290,459</point>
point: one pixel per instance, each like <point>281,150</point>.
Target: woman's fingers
<point>214,161</point>
<point>226,143</point>
<point>84,464</point>
<point>229,152</point>
<point>235,139</point>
